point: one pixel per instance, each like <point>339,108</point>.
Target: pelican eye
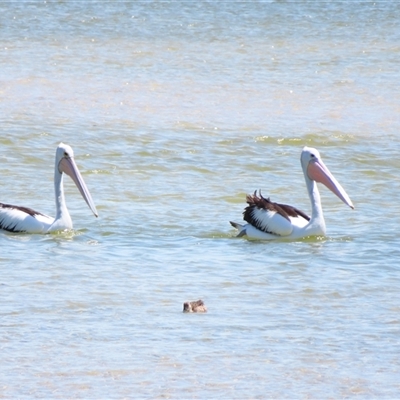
<point>312,155</point>
<point>66,154</point>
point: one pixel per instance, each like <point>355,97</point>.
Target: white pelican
<point>23,219</point>
<point>268,220</point>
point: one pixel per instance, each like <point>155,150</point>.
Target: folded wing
<point>273,218</point>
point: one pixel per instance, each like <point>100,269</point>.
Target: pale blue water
<point>176,110</point>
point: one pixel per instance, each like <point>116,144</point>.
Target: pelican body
<point>23,219</point>
<point>270,221</point>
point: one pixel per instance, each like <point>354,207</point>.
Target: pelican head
<point>65,163</point>
<point>315,170</point>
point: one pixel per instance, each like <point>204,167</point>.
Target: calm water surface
<point>175,111</point>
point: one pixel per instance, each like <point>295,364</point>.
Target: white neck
<point>317,222</point>
<point>62,220</point>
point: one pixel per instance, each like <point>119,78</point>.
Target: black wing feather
<point>260,202</point>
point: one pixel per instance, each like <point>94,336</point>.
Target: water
<point>175,111</point>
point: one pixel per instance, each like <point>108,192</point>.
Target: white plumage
<point>268,220</point>
<point>24,219</point>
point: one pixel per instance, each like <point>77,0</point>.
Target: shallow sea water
<point>176,110</point>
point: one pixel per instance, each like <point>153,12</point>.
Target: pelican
<point>23,219</point>
<point>268,220</point>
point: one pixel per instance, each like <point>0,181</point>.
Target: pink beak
<point>68,166</point>
<point>318,172</point>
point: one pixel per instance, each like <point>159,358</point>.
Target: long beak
<point>68,166</point>
<point>317,171</point>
